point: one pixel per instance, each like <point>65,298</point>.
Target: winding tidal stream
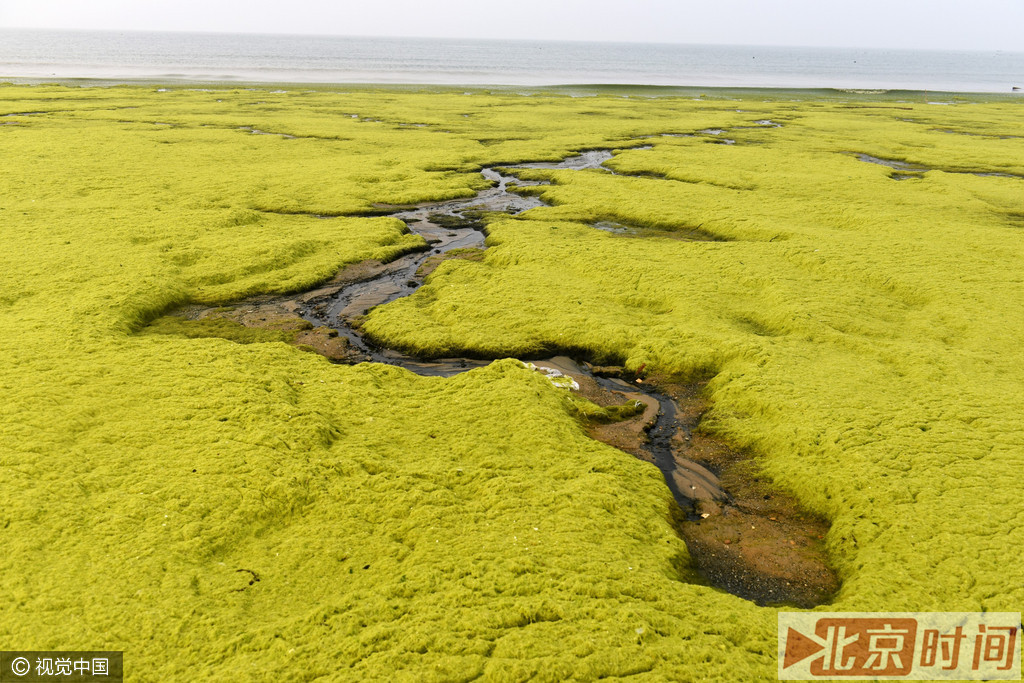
<point>453,225</point>
<point>779,559</point>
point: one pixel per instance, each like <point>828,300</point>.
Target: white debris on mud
<point>560,380</point>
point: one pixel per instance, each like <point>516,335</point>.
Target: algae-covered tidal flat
<point>249,511</point>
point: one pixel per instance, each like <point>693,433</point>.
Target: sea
<point>30,55</point>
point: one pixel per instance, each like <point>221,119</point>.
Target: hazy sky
<point>940,24</point>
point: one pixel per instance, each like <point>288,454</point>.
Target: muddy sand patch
<point>744,534</point>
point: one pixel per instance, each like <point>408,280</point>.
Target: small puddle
<point>779,559</point>
<point>892,163</point>
<point>903,170</point>
<point>590,159</point>
<point>716,133</point>
<point>257,131</point>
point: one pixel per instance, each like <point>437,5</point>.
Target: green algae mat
<point>223,511</point>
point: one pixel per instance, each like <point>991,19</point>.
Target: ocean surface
<point>37,55</point>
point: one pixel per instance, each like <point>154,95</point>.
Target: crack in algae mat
<point>862,337</point>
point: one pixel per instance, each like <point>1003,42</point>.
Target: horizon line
<point>219,32</point>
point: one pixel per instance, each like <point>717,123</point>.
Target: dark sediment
<point>743,534</point>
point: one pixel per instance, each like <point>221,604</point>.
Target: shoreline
<point>243,59</point>
<point>571,89</point>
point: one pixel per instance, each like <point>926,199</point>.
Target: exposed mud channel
<point>743,535</point>
<point>904,170</point>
